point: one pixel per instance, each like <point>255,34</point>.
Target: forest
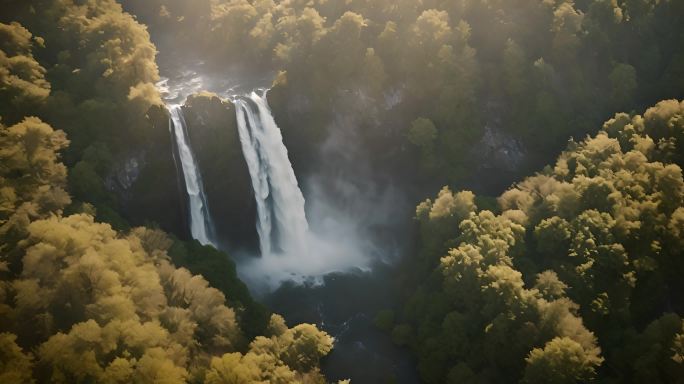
<point>329,191</point>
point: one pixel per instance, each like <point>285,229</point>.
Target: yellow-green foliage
<point>15,365</point>
<point>562,360</point>
<point>286,356</point>
<point>92,51</point>
<point>519,66</point>
<point>101,68</point>
<point>97,305</point>
<point>82,303</point>
<point>582,256</point>
<point>22,78</point>
<point>32,180</point>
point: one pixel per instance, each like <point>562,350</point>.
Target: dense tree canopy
<point>571,275</point>
<point>575,277</point>
<point>516,66</point>
<point>88,69</point>
<point>81,302</point>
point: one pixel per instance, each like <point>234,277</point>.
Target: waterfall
<point>281,221</point>
<point>200,223</point>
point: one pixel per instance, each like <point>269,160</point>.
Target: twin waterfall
<point>201,227</point>
<point>281,221</point>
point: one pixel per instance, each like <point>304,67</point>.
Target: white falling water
<point>200,222</point>
<point>281,221</point>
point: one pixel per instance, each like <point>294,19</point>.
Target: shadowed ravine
<point>301,273</point>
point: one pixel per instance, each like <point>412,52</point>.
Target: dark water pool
<point>345,306</point>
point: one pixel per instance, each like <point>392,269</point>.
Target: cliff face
<point>214,138</point>
<point>146,183</point>
<point>354,131</point>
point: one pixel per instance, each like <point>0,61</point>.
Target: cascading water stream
<point>281,221</point>
<point>201,227</point>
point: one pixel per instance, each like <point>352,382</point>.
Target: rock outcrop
<point>214,137</point>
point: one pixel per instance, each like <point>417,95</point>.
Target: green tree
<point>15,365</point>
<point>623,80</point>
<point>562,360</point>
